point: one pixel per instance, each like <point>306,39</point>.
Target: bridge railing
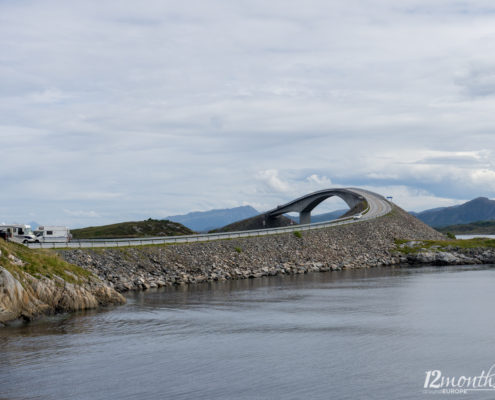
<point>206,237</point>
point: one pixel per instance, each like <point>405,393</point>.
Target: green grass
<point>479,227</point>
<point>297,234</point>
<point>39,263</point>
<point>150,227</point>
<point>439,245</point>
<point>238,249</point>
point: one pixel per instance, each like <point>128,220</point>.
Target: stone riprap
<point>359,245</point>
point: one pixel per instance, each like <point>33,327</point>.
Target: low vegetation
<point>480,227</point>
<point>18,259</point>
<point>406,247</point>
<point>297,234</point>
<point>123,230</point>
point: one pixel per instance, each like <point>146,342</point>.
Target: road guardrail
<point>206,237</point>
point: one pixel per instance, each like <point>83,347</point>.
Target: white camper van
<point>19,233</point>
<point>58,234</point>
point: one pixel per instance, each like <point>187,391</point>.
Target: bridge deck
<point>377,207</point>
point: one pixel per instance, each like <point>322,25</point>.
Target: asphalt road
<point>378,204</point>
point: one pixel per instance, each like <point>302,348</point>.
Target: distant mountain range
<point>203,221</point>
<point>479,209</point>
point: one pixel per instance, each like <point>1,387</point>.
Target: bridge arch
<point>305,204</point>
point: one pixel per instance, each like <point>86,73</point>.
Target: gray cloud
<point>116,111</point>
<point>479,80</point>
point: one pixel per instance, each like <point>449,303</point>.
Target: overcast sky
<point>123,110</point>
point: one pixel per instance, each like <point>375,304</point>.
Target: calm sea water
<point>341,335</point>
<point>474,236</point>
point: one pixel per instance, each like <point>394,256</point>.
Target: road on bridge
<point>377,207</point>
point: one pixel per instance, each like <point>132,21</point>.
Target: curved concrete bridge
<point>305,204</point>
<point>376,206</point>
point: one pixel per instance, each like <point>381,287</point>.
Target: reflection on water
<point>368,333</point>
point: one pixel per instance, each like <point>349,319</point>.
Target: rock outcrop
<point>37,297</point>
<point>364,244</point>
<point>26,296</point>
<point>454,256</point>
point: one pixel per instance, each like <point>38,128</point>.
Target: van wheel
<point>25,242</point>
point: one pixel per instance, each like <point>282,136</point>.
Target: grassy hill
<point>149,227</point>
<point>474,228</point>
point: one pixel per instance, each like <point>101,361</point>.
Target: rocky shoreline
<point>103,273</point>
<point>27,295</point>
<point>129,279</point>
<point>36,297</point>
<point>362,245</point>
<point>451,255</point>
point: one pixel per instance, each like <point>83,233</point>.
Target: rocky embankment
<point>30,286</point>
<point>418,252</point>
<point>363,244</point>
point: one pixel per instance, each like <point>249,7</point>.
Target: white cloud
<point>321,181</point>
<point>48,96</point>
<point>270,177</point>
<point>413,199</point>
<point>82,213</point>
<point>94,195</point>
<point>484,177</point>
<point>166,108</point>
